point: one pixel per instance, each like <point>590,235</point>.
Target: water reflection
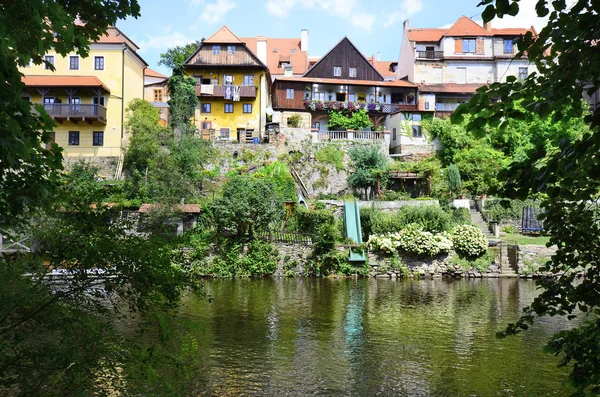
<point>370,337</point>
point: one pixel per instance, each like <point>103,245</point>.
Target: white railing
<point>351,135</point>
<point>369,135</point>
<point>331,135</point>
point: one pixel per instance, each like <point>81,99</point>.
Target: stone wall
<point>293,258</point>
<point>107,166</point>
<point>531,257</point>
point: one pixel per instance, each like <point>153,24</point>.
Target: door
<point>75,103</point>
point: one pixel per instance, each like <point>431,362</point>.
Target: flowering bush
<point>469,240</point>
<point>335,105</point>
<point>412,239</point>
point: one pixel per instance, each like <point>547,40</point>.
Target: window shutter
<point>458,46</point>
<point>479,47</point>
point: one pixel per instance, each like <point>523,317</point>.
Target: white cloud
<point>406,9</point>
<point>194,3</point>
<point>162,42</point>
<point>215,12</point>
<point>344,9</point>
<point>526,18</point>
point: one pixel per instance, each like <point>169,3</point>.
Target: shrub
<point>505,209</point>
<point>482,263</point>
<point>461,216</point>
<point>453,179</point>
<point>413,240</point>
<point>431,218</point>
<point>469,241</point>
<point>294,120</point>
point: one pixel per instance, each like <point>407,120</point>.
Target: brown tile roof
<point>465,26</point>
<point>284,49</point>
<point>450,88</point>
<point>223,36</point>
<point>395,83</point>
<point>63,81</point>
<point>512,31</point>
<point>383,67</point>
<point>153,73</point>
<point>185,208</point>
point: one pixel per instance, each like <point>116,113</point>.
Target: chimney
<point>261,49</point>
<point>304,40</point>
<point>378,56</point>
<point>406,24</point>
<point>488,26</point>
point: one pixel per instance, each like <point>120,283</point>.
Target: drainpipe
<point>123,93</point>
<point>260,109</point>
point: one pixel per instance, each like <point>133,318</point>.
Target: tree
<point>566,170</point>
<point>183,101</point>
<point>176,56</point>
<point>366,163</point>
<point>453,178</point>
<point>28,30</point>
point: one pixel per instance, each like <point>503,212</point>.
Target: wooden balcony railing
<point>397,107</point>
<point>351,135</point>
<point>76,112</point>
<point>246,91</point>
<point>430,54</point>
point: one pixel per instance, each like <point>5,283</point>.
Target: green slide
<point>353,231</point>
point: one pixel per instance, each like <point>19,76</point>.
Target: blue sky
<point>373,26</point>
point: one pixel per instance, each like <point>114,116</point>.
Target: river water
<point>369,337</point>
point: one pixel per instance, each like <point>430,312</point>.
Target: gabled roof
<point>223,36</point>
<point>63,81</point>
<point>153,73</point>
<point>465,26</point>
<point>320,80</point>
<point>278,48</point>
<point>353,46</point>
<point>426,35</point>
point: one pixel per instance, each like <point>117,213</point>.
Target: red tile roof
<point>153,73</point>
<point>63,81</point>
<point>464,26</point>
<point>451,88</point>
<point>395,83</point>
<point>383,67</point>
<point>223,36</point>
<point>284,48</point>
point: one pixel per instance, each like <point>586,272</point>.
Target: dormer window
<point>293,51</point>
<point>216,49</point>
<point>468,46</point>
<point>274,49</point>
<point>230,49</point>
<point>352,72</point>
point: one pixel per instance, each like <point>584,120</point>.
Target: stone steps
<point>478,221</point>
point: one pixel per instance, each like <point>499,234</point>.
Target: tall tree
<point>176,56</point>
<point>28,30</point>
<point>567,171</point>
<point>182,103</point>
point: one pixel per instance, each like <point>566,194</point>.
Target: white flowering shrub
<point>469,240</point>
<point>413,240</point>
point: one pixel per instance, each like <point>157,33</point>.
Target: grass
<point>524,240</point>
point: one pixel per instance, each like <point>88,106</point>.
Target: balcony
<point>385,108</point>
<point>446,107</point>
<point>75,112</point>
<point>218,91</point>
<point>430,54</point>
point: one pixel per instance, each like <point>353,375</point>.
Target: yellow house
<point>156,92</point>
<point>231,86</point>
<point>87,96</point>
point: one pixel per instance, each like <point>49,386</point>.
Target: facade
<point>156,92</point>
<point>343,78</point>
<point>232,88</point>
<point>87,97</point>
<point>285,57</point>
<point>465,54</point>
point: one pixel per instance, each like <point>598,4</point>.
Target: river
<point>369,337</point>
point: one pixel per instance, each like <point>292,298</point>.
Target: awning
<point>63,82</point>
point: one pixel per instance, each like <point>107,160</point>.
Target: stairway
<point>478,221</point>
<point>249,137</point>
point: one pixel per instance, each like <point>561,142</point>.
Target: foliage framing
<point>567,171</point>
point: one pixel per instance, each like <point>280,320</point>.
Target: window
<point>216,49</point>
<point>231,49</point>
<point>75,103</point>
<point>73,137</point>
<point>337,71</point>
<point>49,60</point>
<point>227,79</point>
<point>275,49</point>
<point>99,100</point>
<point>74,62</point>
<point>318,96</point>
<point>523,72</point>
<point>247,108</point>
<point>351,97</point>
<point>417,132</point>
<point>98,138</point>
<point>317,125</point>
<point>289,93</point>
<point>158,95</point>
<point>229,108</point>
<point>293,51</point>
<point>248,80</point>
<point>352,72</point>
<point>397,97</point>
<point>205,108</point>
<point>98,63</point>
<point>468,45</point>
<point>224,133</point>
<point>416,117</point>
<point>508,46</point>
<point>426,105</point>
<point>394,133</point>
<point>206,125</point>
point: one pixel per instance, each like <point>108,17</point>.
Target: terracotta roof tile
<point>426,35</point>
<point>452,88</point>
<point>465,26</point>
<point>223,36</point>
<point>284,48</point>
<point>511,31</point>
<point>153,73</point>
<point>63,81</point>
<point>384,67</point>
<point>185,208</point>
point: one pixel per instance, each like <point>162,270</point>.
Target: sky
<point>374,26</point>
